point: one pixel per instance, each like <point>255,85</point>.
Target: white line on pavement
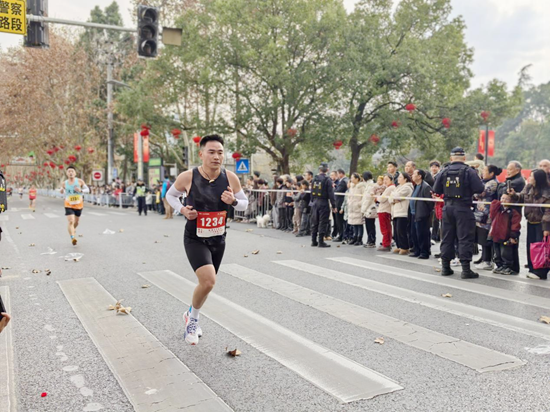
<point>462,352</point>
<point>117,213</point>
<point>434,302</point>
<point>466,285</point>
<point>51,215</point>
<point>337,375</point>
<point>27,217</point>
<point>139,361</point>
<point>96,214</point>
<point>482,273</point>
<point>7,382</point>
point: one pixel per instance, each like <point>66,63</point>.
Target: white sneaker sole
<point>190,339</point>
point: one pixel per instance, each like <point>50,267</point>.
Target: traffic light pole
<point>110,145</point>
<point>41,19</point>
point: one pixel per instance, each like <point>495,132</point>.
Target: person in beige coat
<point>400,210</point>
<point>355,215</point>
<point>369,209</point>
<point>384,214</point>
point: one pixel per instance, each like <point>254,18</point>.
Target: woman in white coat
<point>369,209</point>
<point>355,216</point>
<point>400,210</point>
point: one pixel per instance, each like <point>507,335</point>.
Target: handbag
<point>540,254</point>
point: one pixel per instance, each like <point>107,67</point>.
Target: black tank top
<point>206,197</point>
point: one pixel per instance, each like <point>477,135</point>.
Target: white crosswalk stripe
<point>172,386</point>
<point>337,375</point>
<point>7,382</point>
<point>490,317</point>
<point>51,215</point>
<point>117,213</point>
<point>465,353</point>
<point>483,273</point>
<point>466,285</point>
<point>96,214</point>
<point>27,217</point>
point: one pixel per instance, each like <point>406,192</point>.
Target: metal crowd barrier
<point>122,200</point>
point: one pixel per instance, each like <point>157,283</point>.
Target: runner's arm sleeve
<point>242,201</point>
<point>173,196</point>
<point>85,189</point>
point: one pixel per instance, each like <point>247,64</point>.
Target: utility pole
<point>110,144</point>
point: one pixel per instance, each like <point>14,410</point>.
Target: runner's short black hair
<point>211,138</point>
<point>71,167</point>
<point>392,163</point>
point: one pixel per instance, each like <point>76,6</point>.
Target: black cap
<point>458,151</point>
<point>323,165</point>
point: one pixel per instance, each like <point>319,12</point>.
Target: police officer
<point>458,182</point>
<point>321,193</point>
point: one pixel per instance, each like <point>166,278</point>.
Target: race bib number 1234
<point>211,224</point>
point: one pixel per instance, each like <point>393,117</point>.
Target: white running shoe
<point>485,266</point>
<point>532,276</point>
<point>455,262</point>
<point>191,326</point>
<point>199,331</point>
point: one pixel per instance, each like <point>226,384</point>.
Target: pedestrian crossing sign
<point>242,166</point>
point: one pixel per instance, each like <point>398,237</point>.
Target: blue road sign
<point>242,166</point>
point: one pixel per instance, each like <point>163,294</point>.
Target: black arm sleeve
<point>476,184</point>
<point>438,185</point>
<point>330,191</point>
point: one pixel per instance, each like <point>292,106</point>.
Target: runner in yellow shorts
<point>74,201</point>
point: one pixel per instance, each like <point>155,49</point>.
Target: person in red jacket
<point>505,231</point>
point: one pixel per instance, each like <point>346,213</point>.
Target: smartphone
<point>2,308</point>
<point>508,185</point>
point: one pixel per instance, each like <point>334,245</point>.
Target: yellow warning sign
<point>13,16</point>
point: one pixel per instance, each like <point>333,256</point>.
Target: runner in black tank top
<point>210,190</point>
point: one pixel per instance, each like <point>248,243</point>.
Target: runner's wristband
<point>242,201</point>
<point>173,197</point>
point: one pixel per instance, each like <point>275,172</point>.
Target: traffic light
<point>148,31</point>
<point>185,156</point>
<point>38,33</point>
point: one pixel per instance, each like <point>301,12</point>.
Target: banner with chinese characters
<point>13,16</point>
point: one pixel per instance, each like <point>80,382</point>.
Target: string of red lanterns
<point>337,144</point>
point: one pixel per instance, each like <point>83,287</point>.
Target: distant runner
<point>32,198</point>
<point>210,191</point>
<point>74,201</point>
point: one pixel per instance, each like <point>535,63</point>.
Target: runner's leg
<point>70,219</point>
<point>206,276</point>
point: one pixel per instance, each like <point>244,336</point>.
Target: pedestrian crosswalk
<point>173,385</point>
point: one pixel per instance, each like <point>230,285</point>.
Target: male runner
<point>210,191</point>
<point>74,202</point>
<point>32,198</point>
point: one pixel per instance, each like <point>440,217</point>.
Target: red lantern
<point>56,149</point>
<point>410,107</point>
<point>374,139</point>
<point>236,155</point>
<point>2,166</point>
<point>446,122</point>
<point>46,164</point>
<point>67,162</point>
<point>176,133</point>
<point>144,132</point>
<point>72,158</point>
<point>145,126</point>
<point>62,147</point>
<point>50,152</point>
<point>337,144</point>
<point>395,124</point>
<point>52,165</point>
<point>197,140</point>
<point>485,115</point>
<point>61,167</point>
<point>291,132</point>
<point>78,148</point>
<point>90,150</point>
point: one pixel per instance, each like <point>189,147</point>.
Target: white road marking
<point>473,356</point>
<point>8,401</point>
<point>27,217</point>
<point>51,215</point>
<point>117,213</point>
<point>482,273</point>
<point>490,317</point>
<point>132,352</point>
<point>96,214</point>
<point>466,285</point>
<point>337,375</point>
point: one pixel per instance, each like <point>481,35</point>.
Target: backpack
<point>3,194</point>
<point>453,182</point>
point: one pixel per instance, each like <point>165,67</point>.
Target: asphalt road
<point>305,320</point>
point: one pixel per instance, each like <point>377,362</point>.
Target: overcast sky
<point>505,34</point>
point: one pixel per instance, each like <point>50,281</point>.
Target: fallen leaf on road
<point>245,255</point>
<point>336,246</point>
<point>166,235</point>
<point>80,235</point>
<point>36,271</point>
<point>121,230</point>
<point>447,295</point>
<point>545,319</point>
<point>437,269</point>
<point>5,268</point>
<point>48,272</point>
<point>124,310</point>
<point>234,352</point>
<point>255,252</point>
<point>249,230</point>
<point>32,245</point>
<point>279,252</point>
<point>20,233</point>
<point>145,286</point>
<point>17,227</point>
<point>157,241</point>
<point>117,305</point>
<point>380,341</point>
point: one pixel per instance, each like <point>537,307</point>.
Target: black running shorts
<point>69,211</point>
<point>201,252</point>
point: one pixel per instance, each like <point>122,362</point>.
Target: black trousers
<point>401,235</point>
<point>305,228</point>
<point>370,226</point>
<point>320,212</point>
<point>458,223</point>
<point>282,218</point>
<point>421,236</point>
<point>435,228</point>
<point>534,235</point>
<point>506,256</point>
<point>141,205</point>
<point>485,243</point>
<point>339,223</point>
<point>335,232</point>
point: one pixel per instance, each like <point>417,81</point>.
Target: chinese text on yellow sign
<point>13,16</point>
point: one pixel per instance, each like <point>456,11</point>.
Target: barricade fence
<point>122,200</point>
<point>259,201</point>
